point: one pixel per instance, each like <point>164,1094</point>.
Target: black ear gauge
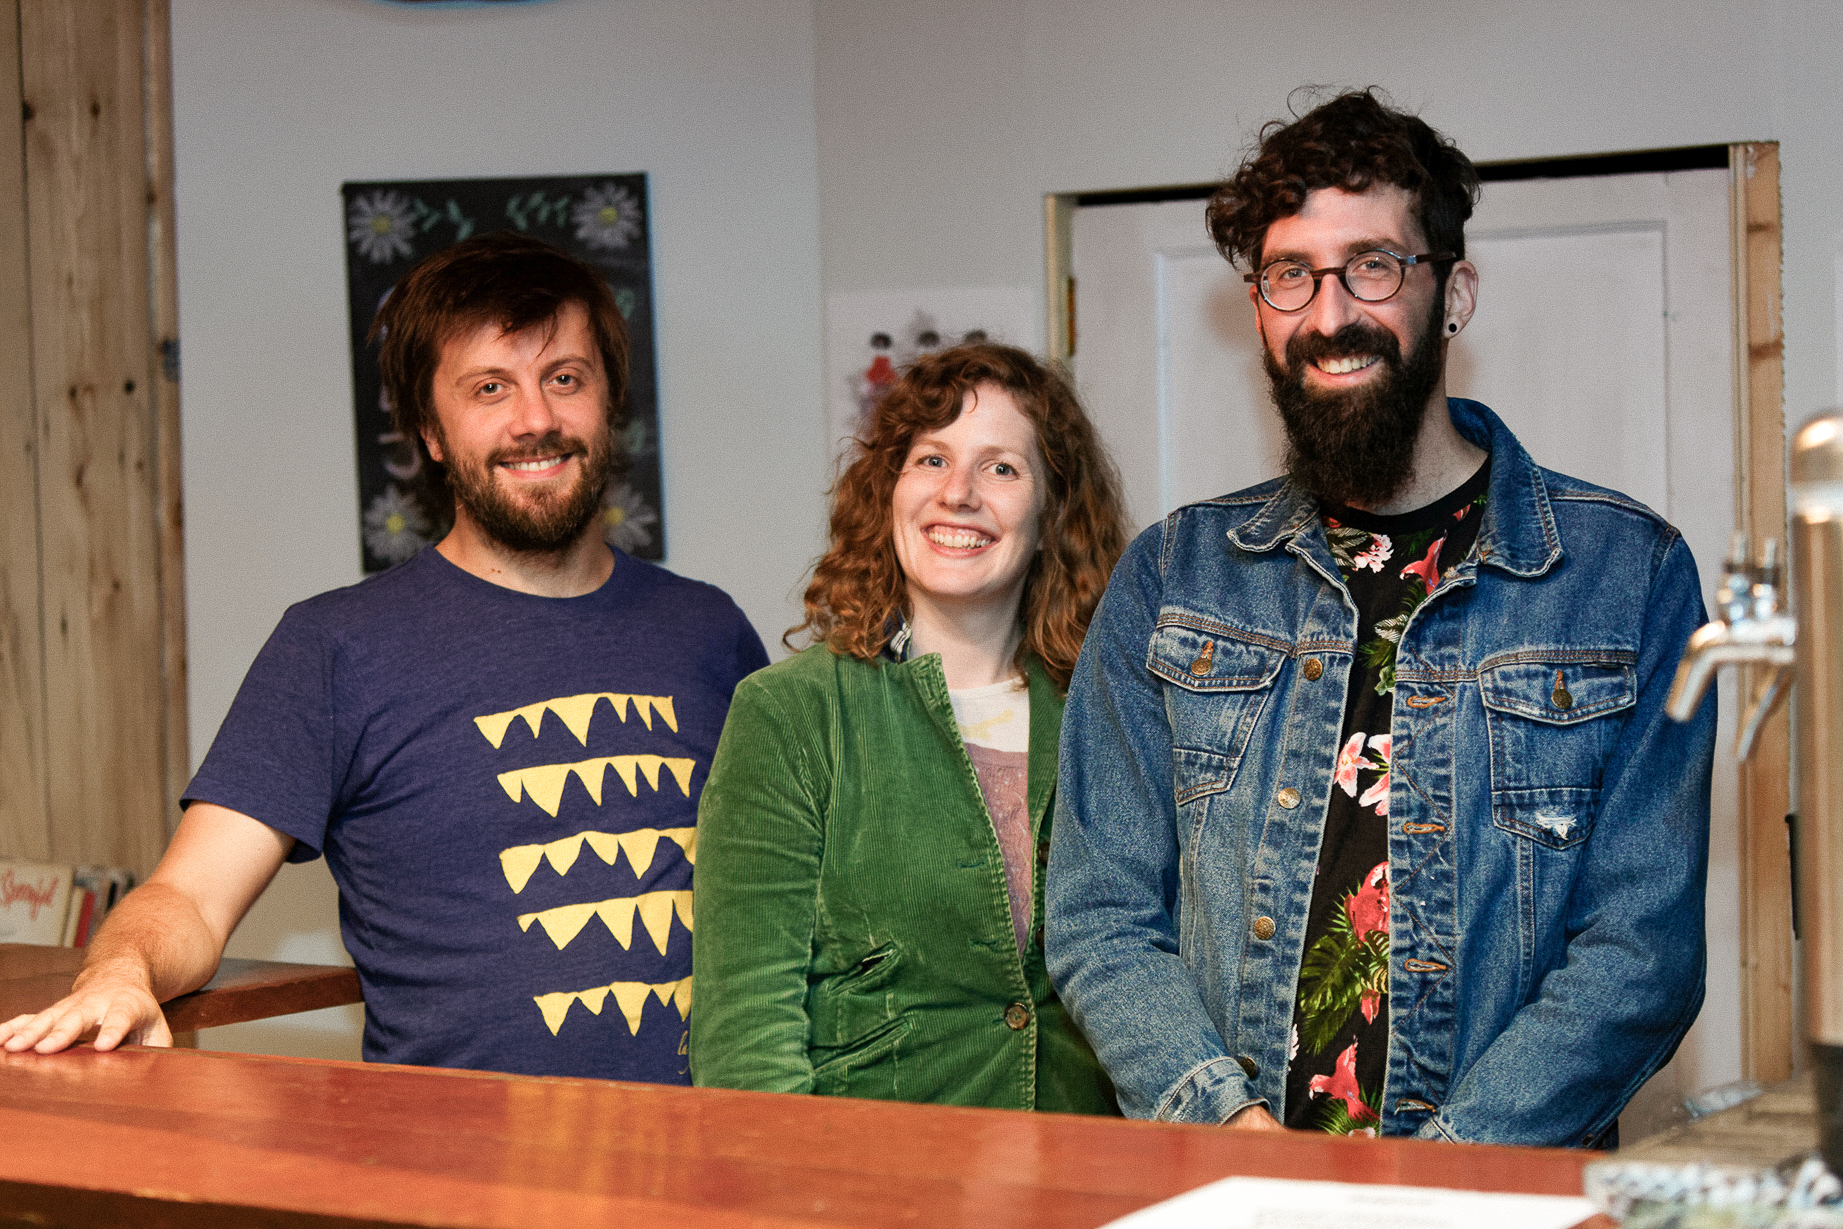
<point>1452,326</point>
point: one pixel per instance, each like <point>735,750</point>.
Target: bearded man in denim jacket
<point>1370,818</point>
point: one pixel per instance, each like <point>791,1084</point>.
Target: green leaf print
<point>1334,1116</point>
<point>1345,542</point>
<point>1336,973</point>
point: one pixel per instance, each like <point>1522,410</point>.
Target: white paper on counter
<point>1277,1203</point>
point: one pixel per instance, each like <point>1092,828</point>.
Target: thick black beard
<point>542,526</point>
<point>1355,448</point>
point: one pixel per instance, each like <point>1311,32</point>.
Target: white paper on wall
<point>872,335</point>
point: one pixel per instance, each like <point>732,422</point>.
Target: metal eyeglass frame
<point>1258,279</point>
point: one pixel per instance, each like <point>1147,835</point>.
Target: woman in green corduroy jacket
<point>874,828</point>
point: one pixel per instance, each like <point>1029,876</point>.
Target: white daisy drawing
<point>395,528</point>
<point>607,217</point>
<point>379,225</point>
<point>626,520</point>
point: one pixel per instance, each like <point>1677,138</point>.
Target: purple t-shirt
<point>505,788</point>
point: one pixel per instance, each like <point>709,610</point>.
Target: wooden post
<point>101,430</point>
<point>24,830</point>
<point>1767,1030</point>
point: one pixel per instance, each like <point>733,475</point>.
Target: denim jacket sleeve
<point>1111,892</point>
<point>1607,1017</point>
<point>760,844</point>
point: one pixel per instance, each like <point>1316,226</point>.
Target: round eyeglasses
<point>1370,277</point>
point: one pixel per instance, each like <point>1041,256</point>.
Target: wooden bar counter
<point>186,1137</point>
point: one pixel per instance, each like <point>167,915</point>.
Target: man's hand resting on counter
<point>110,1002</point>
<point>164,939</point>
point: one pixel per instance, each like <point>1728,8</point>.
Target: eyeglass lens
<point>1289,285</point>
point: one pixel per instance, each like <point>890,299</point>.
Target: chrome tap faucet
<point>1752,630</point>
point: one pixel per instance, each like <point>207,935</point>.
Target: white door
<point>1603,337</point>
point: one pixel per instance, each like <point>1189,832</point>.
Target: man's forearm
<point>155,939</point>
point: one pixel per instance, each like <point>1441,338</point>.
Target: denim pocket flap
<point>1201,660</point>
<point>1558,692</point>
<point>1556,817</point>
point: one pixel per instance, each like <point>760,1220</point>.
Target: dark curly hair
<point>858,585</point>
<point>1354,141</point>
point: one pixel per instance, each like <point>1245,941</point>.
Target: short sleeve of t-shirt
<point>505,788</point>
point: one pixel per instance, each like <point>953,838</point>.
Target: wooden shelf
<point>32,978</point>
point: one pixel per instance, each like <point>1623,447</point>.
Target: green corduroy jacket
<point>853,933</point>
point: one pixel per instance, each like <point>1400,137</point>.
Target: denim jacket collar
<point>1518,535</point>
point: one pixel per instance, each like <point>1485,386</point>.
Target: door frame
<point>1768,1040</point>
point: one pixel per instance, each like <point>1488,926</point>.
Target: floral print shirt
<point>1340,1039</point>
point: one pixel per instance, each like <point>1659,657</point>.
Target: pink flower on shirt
<point>1427,569</point>
<point>1368,906</point>
<point>1349,760</point>
<point>1378,793</point>
<point>1376,554</point>
<point>1342,1082</point>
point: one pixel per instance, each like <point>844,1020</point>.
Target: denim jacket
<point>1548,825</point>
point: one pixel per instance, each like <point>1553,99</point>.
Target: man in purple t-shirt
<point>497,745</point>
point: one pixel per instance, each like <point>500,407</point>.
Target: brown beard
<point>543,522</point>
<point>1356,447</point>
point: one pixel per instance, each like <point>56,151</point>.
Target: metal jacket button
<point>1561,698</point>
<point>1288,798</point>
<point>1204,659</point>
<point>1017,1016</point>
<point>1248,1065</point>
<point>1263,928</point>
<point>1313,668</point>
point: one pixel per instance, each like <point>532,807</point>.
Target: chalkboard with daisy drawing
<point>600,219</point>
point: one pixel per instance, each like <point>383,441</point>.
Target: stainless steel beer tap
<point>1752,630</point>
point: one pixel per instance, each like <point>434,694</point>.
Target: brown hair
<point>503,278</point>
<point>858,586</point>
<point>1352,142</point>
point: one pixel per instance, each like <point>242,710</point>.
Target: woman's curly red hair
<point>858,588</point>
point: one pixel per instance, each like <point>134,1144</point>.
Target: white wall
<point>279,101</point>
<point>943,122</point>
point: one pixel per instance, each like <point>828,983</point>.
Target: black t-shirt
<point>1341,1011</point>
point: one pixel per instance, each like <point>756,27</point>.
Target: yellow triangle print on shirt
<point>543,783</point>
<point>565,922</point>
<point>629,996</point>
<point>575,712</point>
<point>520,861</point>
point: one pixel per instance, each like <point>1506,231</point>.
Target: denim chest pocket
<point>1216,687</point>
<point>1553,724</point>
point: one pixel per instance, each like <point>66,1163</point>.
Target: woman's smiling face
<point>967,506</point>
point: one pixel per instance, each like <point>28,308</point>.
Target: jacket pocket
<point>847,1007</point>
<point>1553,719</point>
<point>842,1072</point>
<point>1215,688</point>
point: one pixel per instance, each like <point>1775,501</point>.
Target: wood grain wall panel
<point>163,387</point>
<point>1767,1028</point>
<point>86,191</point>
<point>24,831</point>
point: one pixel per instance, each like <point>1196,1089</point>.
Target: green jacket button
<point>1017,1016</point>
